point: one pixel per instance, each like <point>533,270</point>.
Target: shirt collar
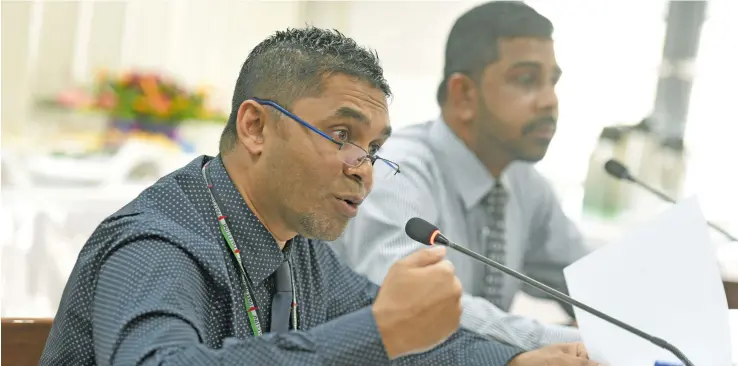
<point>470,178</point>
<point>260,253</point>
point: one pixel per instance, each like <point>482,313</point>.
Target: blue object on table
<point>667,363</point>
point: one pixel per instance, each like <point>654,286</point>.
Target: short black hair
<point>472,43</point>
<point>292,64</point>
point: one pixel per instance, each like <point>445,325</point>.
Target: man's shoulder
<point>161,220</point>
<point>411,148</point>
<point>167,210</point>
<point>163,214</point>
<point>409,141</point>
<point>169,197</point>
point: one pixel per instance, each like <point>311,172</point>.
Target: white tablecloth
<point>41,234</point>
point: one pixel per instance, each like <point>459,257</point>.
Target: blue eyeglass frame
<point>372,158</point>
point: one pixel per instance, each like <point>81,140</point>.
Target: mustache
<point>538,123</point>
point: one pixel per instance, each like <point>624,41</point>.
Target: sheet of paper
<point>662,278</point>
<point>734,334</point>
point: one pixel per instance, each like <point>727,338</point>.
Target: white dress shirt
<point>442,181</point>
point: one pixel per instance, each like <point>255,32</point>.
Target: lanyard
<point>249,304</point>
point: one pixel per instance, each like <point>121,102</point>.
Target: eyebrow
<point>348,112</point>
<point>387,132</point>
<point>537,65</point>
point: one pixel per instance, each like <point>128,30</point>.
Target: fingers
<point>443,277</point>
<point>575,349</point>
<point>446,266</point>
<point>425,257</point>
<point>577,361</point>
<point>441,272</point>
<point>458,288</point>
<point>581,351</point>
<point>574,354</point>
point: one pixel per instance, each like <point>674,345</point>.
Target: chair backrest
<point>24,340</point>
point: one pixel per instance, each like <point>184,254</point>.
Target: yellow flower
<point>140,105</point>
<point>102,74</point>
<point>203,90</point>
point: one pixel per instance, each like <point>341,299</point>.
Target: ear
<point>462,96</point>
<point>250,126</point>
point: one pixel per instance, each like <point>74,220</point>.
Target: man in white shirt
<point>471,173</point>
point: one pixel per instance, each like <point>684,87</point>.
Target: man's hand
<point>565,354</point>
<point>419,303</point>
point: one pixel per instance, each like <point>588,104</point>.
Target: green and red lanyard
<point>249,303</point>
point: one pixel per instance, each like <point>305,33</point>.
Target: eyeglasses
<point>349,153</point>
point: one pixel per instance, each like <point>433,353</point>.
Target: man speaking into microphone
<point>471,174</point>
<point>221,262</point>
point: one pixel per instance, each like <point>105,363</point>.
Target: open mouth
<point>350,202</point>
<point>348,206</point>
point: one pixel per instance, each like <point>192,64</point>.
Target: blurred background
<point>642,82</point>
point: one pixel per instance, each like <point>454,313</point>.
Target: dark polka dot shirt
<point>156,284</point>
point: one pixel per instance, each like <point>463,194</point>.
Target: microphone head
<point>617,170</point>
<point>421,231</point>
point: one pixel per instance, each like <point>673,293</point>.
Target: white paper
<point>733,314</point>
<point>662,278</point>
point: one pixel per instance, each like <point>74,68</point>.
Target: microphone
<point>619,171</point>
<point>426,233</point>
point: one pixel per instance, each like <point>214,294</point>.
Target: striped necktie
<point>493,236</point>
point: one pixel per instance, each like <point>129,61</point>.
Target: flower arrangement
<point>143,106</point>
<point>147,98</point>
<point>152,99</point>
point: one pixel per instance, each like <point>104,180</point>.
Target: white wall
<point>51,45</point>
<point>609,51</point>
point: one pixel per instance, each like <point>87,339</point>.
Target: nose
<point>548,100</point>
<point>363,173</point>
